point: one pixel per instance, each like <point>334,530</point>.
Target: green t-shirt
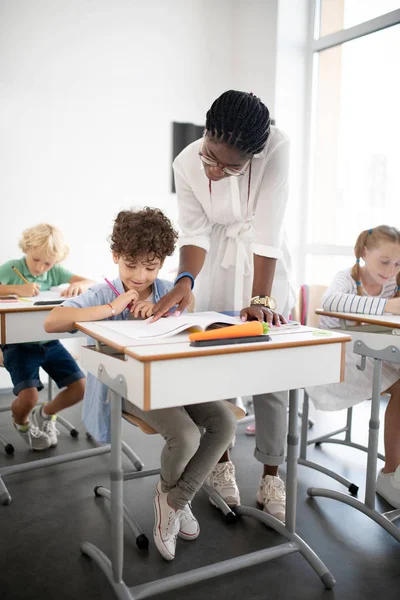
<point>53,277</point>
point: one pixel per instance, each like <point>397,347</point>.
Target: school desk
<point>23,322</point>
<point>376,337</point>
<point>159,376</point>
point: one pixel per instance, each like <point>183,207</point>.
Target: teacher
<point>232,190</point>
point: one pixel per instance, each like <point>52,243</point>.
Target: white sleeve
<point>195,228</point>
<point>339,298</point>
<point>271,204</point>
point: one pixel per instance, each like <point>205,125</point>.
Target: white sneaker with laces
<point>166,526</point>
<point>222,480</point>
<point>189,528</point>
<point>48,426</point>
<point>272,496</point>
<point>33,437</point>
<point>388,486</point>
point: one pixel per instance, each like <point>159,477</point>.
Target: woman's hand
<point>142,309</point>
<point>261,313</point>
<point>120,303</point>
<point>180,295</point>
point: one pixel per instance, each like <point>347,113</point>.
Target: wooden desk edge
<point>214,350</point>
<point>357,318</point>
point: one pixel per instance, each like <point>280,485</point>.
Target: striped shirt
<point>341,296</point>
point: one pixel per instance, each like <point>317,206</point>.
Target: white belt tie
<point>238,254</point>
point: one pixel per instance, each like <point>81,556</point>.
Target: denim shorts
<point>23,361</point>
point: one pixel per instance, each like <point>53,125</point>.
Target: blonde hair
<point>370,239</point>
<point>46,238</point>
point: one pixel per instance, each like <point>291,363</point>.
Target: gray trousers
<point>188,456</point>
<point>270,411</point>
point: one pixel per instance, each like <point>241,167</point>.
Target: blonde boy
<point>44,249</point>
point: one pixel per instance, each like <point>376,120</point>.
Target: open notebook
<point>169,326</point>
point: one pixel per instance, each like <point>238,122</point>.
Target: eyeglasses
<point>227,170</point>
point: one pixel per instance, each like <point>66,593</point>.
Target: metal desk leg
<point>368,507</point>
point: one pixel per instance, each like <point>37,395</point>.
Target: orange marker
<point>233,331</point>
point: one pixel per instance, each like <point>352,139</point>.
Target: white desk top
<point>392,321</point>
<point>27,304</point>
<point>178,346</point>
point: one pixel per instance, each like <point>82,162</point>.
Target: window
<point>355,157</point>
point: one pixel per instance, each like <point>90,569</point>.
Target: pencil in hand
<point>19,274</point>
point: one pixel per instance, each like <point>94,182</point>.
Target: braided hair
<point>371,238</point>
<point>240,120</point>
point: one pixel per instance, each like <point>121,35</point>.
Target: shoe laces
<point>225,475</point>
<point>35,431</point>
<point>50,427</point>
<point>273,492</point>
<point>172,527</point>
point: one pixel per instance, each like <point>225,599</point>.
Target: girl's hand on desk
<point>142,309</point>
<point>261,313</point>
<point>393,306</point>
<point>28,289</point>
<point>121,302</point>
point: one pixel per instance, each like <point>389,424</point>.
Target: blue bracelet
<point>185,274</point>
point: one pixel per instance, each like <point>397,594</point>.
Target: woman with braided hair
<point>374,289</point>
<point>232,189</point>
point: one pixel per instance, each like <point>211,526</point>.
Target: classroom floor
<point>53,510</point>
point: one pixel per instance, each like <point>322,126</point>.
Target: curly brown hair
<point>147,232</point>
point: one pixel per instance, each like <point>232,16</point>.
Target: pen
<point>19,274</point>
<point>114,290</point>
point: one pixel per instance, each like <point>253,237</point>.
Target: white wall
<point>89,89</point>
<point>88,93</point>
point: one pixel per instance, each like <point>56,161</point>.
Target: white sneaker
<point>272,496</point>
<point>189,528</point>
<point>166,526</point>
<point>388,486</point>
<point>222,480</point>
<point>48,426</point>
<point>33,437</point>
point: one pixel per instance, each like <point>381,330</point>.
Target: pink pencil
<point>111,286</point>
<point>114,290</point>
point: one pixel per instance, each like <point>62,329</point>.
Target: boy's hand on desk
<point>142,309</point>
<point>122,301</point>
<point>73,290</point>
<point>261,313</point>
<point>28,289</point>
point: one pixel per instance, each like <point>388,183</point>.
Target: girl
<point>373,288</point>
<point>232,188</point>
<point>140,242</point>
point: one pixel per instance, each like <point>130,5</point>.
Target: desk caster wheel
<point>353,489</point>
<point>231,518</point>
<point>9,449</point>
<point>96,491</point>
<point>74,433</point>
<point>142,542</point>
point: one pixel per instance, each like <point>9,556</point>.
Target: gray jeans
<point>270,411</point>
<point>188,456</point>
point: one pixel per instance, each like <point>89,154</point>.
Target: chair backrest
<point>308,300</point>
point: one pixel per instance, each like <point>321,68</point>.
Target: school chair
<point>309,300</point>
<point>8,447</point>
<point>141,539</point>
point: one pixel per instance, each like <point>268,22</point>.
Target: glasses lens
<point>208,161</point>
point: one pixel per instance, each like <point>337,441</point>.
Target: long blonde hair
<point>370,239</point>
<point>47,238</point>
